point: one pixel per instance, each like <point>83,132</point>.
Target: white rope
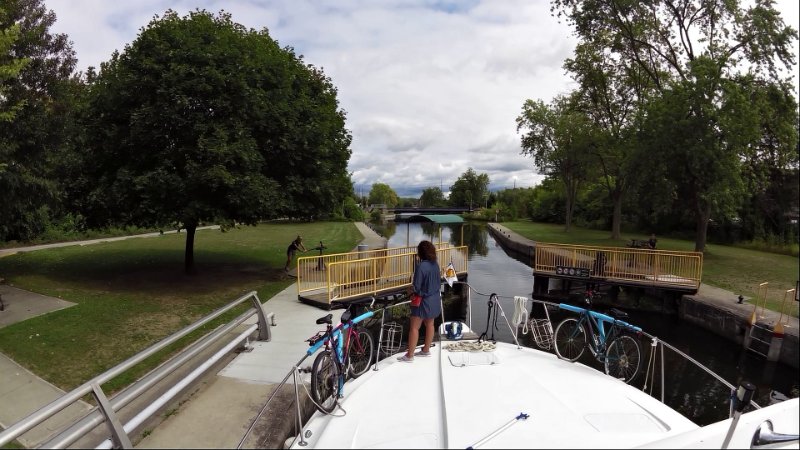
<point>520,314</point>
<point>470,346</point>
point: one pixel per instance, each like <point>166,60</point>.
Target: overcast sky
<point>430,87</point>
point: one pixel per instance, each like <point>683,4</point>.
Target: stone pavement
<point>216,412</point>
<point>21,305</point>
<point>22,392</point>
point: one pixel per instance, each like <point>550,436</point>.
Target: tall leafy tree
<point>200,119</point>
<point>611,93</point>
<point>560,140</point>
<point>432,197</point>
<point>39,95</point>
<point>10,66</point>
<point>771,166</point>
<point>382,193</point>
<point>697,47</point>
<point>469,189</point>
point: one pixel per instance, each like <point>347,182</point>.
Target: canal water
<point>688,389</point>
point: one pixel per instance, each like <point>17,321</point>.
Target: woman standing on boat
<point>427,281</point>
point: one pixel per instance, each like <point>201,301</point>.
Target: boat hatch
<point>623,423</point>
<point>465,359</point>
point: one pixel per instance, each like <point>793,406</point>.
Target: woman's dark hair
<point>427,251</point>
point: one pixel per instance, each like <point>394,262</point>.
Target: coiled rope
<point>521,314</point>
<point>468,346</point>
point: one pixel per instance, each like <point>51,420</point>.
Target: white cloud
<point>430,87</point>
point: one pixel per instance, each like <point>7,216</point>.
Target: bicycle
<point>616,349</point>
<point>348,354</point>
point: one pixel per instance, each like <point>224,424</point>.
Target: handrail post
<point>380,341</point>
<point>302,442</point>
<point>264,333</point>
<point>662,371</point>
<point>118,434</point>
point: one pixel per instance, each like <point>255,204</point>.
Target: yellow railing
<point>641,266</point>
<point>370,272</point>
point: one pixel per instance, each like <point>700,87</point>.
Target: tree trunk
<point>568,218</point>
<point>703,215</point>
<point>188,255</point>
<point>616,218</point>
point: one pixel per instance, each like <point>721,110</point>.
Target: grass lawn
<point>133,293</point>
<point>736,269</point>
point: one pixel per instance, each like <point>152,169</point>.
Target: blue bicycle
<point>615,348</point>
<point>348,351</point>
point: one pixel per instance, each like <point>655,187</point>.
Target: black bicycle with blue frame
<point>616,348</point>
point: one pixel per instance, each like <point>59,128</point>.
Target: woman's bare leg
<point>428,335</point>
<point>413,335</point>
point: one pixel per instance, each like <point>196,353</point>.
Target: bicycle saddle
<point>327,319</point>
<point>617,313</point>
<point>346,316</point>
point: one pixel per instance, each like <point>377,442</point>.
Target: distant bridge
<point>445,210</point>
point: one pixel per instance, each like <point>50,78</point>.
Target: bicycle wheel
<point>359,353</point>
<point>325,382</point>
<point>623,358</point>
<point>569,339</point>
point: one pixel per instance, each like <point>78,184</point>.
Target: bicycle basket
<point>542,333</point>
<point>392,338</point>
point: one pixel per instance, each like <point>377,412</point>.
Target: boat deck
<point>458,399</point>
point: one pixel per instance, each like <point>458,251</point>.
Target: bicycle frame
<point>597,323</point>
<point>334,335</point>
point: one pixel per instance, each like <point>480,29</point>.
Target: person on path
<point>296,245</point>
<point>426,283</point>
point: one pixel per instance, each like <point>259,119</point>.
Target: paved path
<point>22,392</point>
<point>11,251</point>
<point>219,413</point>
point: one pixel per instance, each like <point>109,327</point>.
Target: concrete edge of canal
<point>714,309</point>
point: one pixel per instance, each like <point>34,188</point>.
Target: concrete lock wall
<point>732,327</point>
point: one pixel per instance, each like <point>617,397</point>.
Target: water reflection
<point>688,389</point>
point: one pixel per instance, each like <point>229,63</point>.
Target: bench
<point>639,243</point>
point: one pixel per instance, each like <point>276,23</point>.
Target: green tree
<point>771,167</point>
<point>611,93</point>
<point>35,90</point>
<point>352,210</point>
<point>469,189</point>
<point>432,197</point>
<point>201,119</point>
<point>10,66</point>
<point>383,194</point>
<point>560,140</point>
<point>693,47</point>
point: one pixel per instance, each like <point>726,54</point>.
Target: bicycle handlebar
<point>336,331</point>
